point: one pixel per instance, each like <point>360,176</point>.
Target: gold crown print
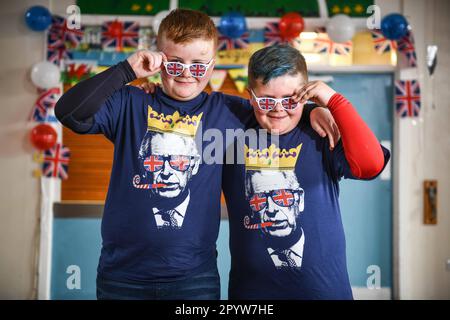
<point>272,158</point>
<point>175,123</point>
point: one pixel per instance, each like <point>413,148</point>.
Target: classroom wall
<point>423,152</point>
<point>19,191</point>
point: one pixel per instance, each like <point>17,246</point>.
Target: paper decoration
<point>56,162</point>
<point>407,98</point>
<point>323,44</point>
<point>272,34</point>
<point>381,43</point>
<point>117,35</point>
<point>226,43</point>
<point>240,78</point>
<point>47,99</point>
<point>217,79</point>
<point>61,39</point>
<point>407,48</point>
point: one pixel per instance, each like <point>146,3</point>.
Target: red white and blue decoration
<point>272,34</point>
<point>61,39</point>
<point>323,44</point>
<point>46,100</point>
<point>227,43</point>
<point>381,43</point>
<point>120,34</point>
<point>56,162</point>
<point>407,48</point>
<point>407,98</point>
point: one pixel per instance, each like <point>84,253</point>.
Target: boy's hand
<point>146,63</point>
<point>317,92</point>
<point>148,87</point>
<point>323,123</point>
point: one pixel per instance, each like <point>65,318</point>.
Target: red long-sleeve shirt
<point>361,147</point>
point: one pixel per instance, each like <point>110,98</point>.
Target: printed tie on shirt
<point>285,258</point>
<point>169,218</point>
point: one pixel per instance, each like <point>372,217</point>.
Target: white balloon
<point>158,18</point>
<point>45,75</point>
<point>340,28</point>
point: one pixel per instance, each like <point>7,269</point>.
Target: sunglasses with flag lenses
<point>281,197</point>
<point>177,162</point>
<point>268,104</point>
<point>197,70</point>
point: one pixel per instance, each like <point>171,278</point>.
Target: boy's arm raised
<point>361,147</point>
<point>76,108</point>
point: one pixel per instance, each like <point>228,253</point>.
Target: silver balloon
<point>431,58</point>
<point>45,75</point>
<point>340,28</point>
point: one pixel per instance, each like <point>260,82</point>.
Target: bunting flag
<point>47,99</point>
<point>407,48</point>
<point>59,34</point>
<point>217,79</point>
<point>239,77</point>
<point>60,39</point>
<point>323,44</point>
<point>119,34</point>
<point>272,34</point>
<point>381,43</point>
<point>226,43</point>
<point>407,98</point>
<point>56,162</point>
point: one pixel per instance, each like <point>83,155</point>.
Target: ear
<point>195,167</point>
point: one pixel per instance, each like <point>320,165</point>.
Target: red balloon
<point>291,25</point>
<point>43,137</point>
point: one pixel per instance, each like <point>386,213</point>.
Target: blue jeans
<point>202,286</point>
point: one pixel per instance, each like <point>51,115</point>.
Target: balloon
<point>43,137</point>
<point>158,18</point>
<point>340,28</point>
<point>394,26</point>
<point>45,75</point>
<point>232,25</point>
<point>291,25</point>
<point>38,18</point>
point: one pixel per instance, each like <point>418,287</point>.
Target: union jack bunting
<point>226,43</point>
<point>407,98</point>
<point>407,48</point>
<point>323,44</point>
<point>59,34</point>
<point>58,54</point>
<point>119,34</point>
<point>56,162</point>
<point>47,99</point>
<point>272,34</point>
<point>381,43</point>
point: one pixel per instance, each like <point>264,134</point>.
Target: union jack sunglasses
<point>281,197</point>
<point>155,162</point>
<point>268,104</point>
<point>197,70</point>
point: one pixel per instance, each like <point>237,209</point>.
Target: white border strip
<point>363,293</point>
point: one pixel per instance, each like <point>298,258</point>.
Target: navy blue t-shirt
<point>287,238</point>
<point>162,211</point>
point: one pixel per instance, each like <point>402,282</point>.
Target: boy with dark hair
<point>286,235</point>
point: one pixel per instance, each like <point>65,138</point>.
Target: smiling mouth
<point>184,82</point>
<point>277,117</point>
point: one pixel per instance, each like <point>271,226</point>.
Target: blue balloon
<point>38,18</point>
<point>232,25</point>
<point>394,26</point>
